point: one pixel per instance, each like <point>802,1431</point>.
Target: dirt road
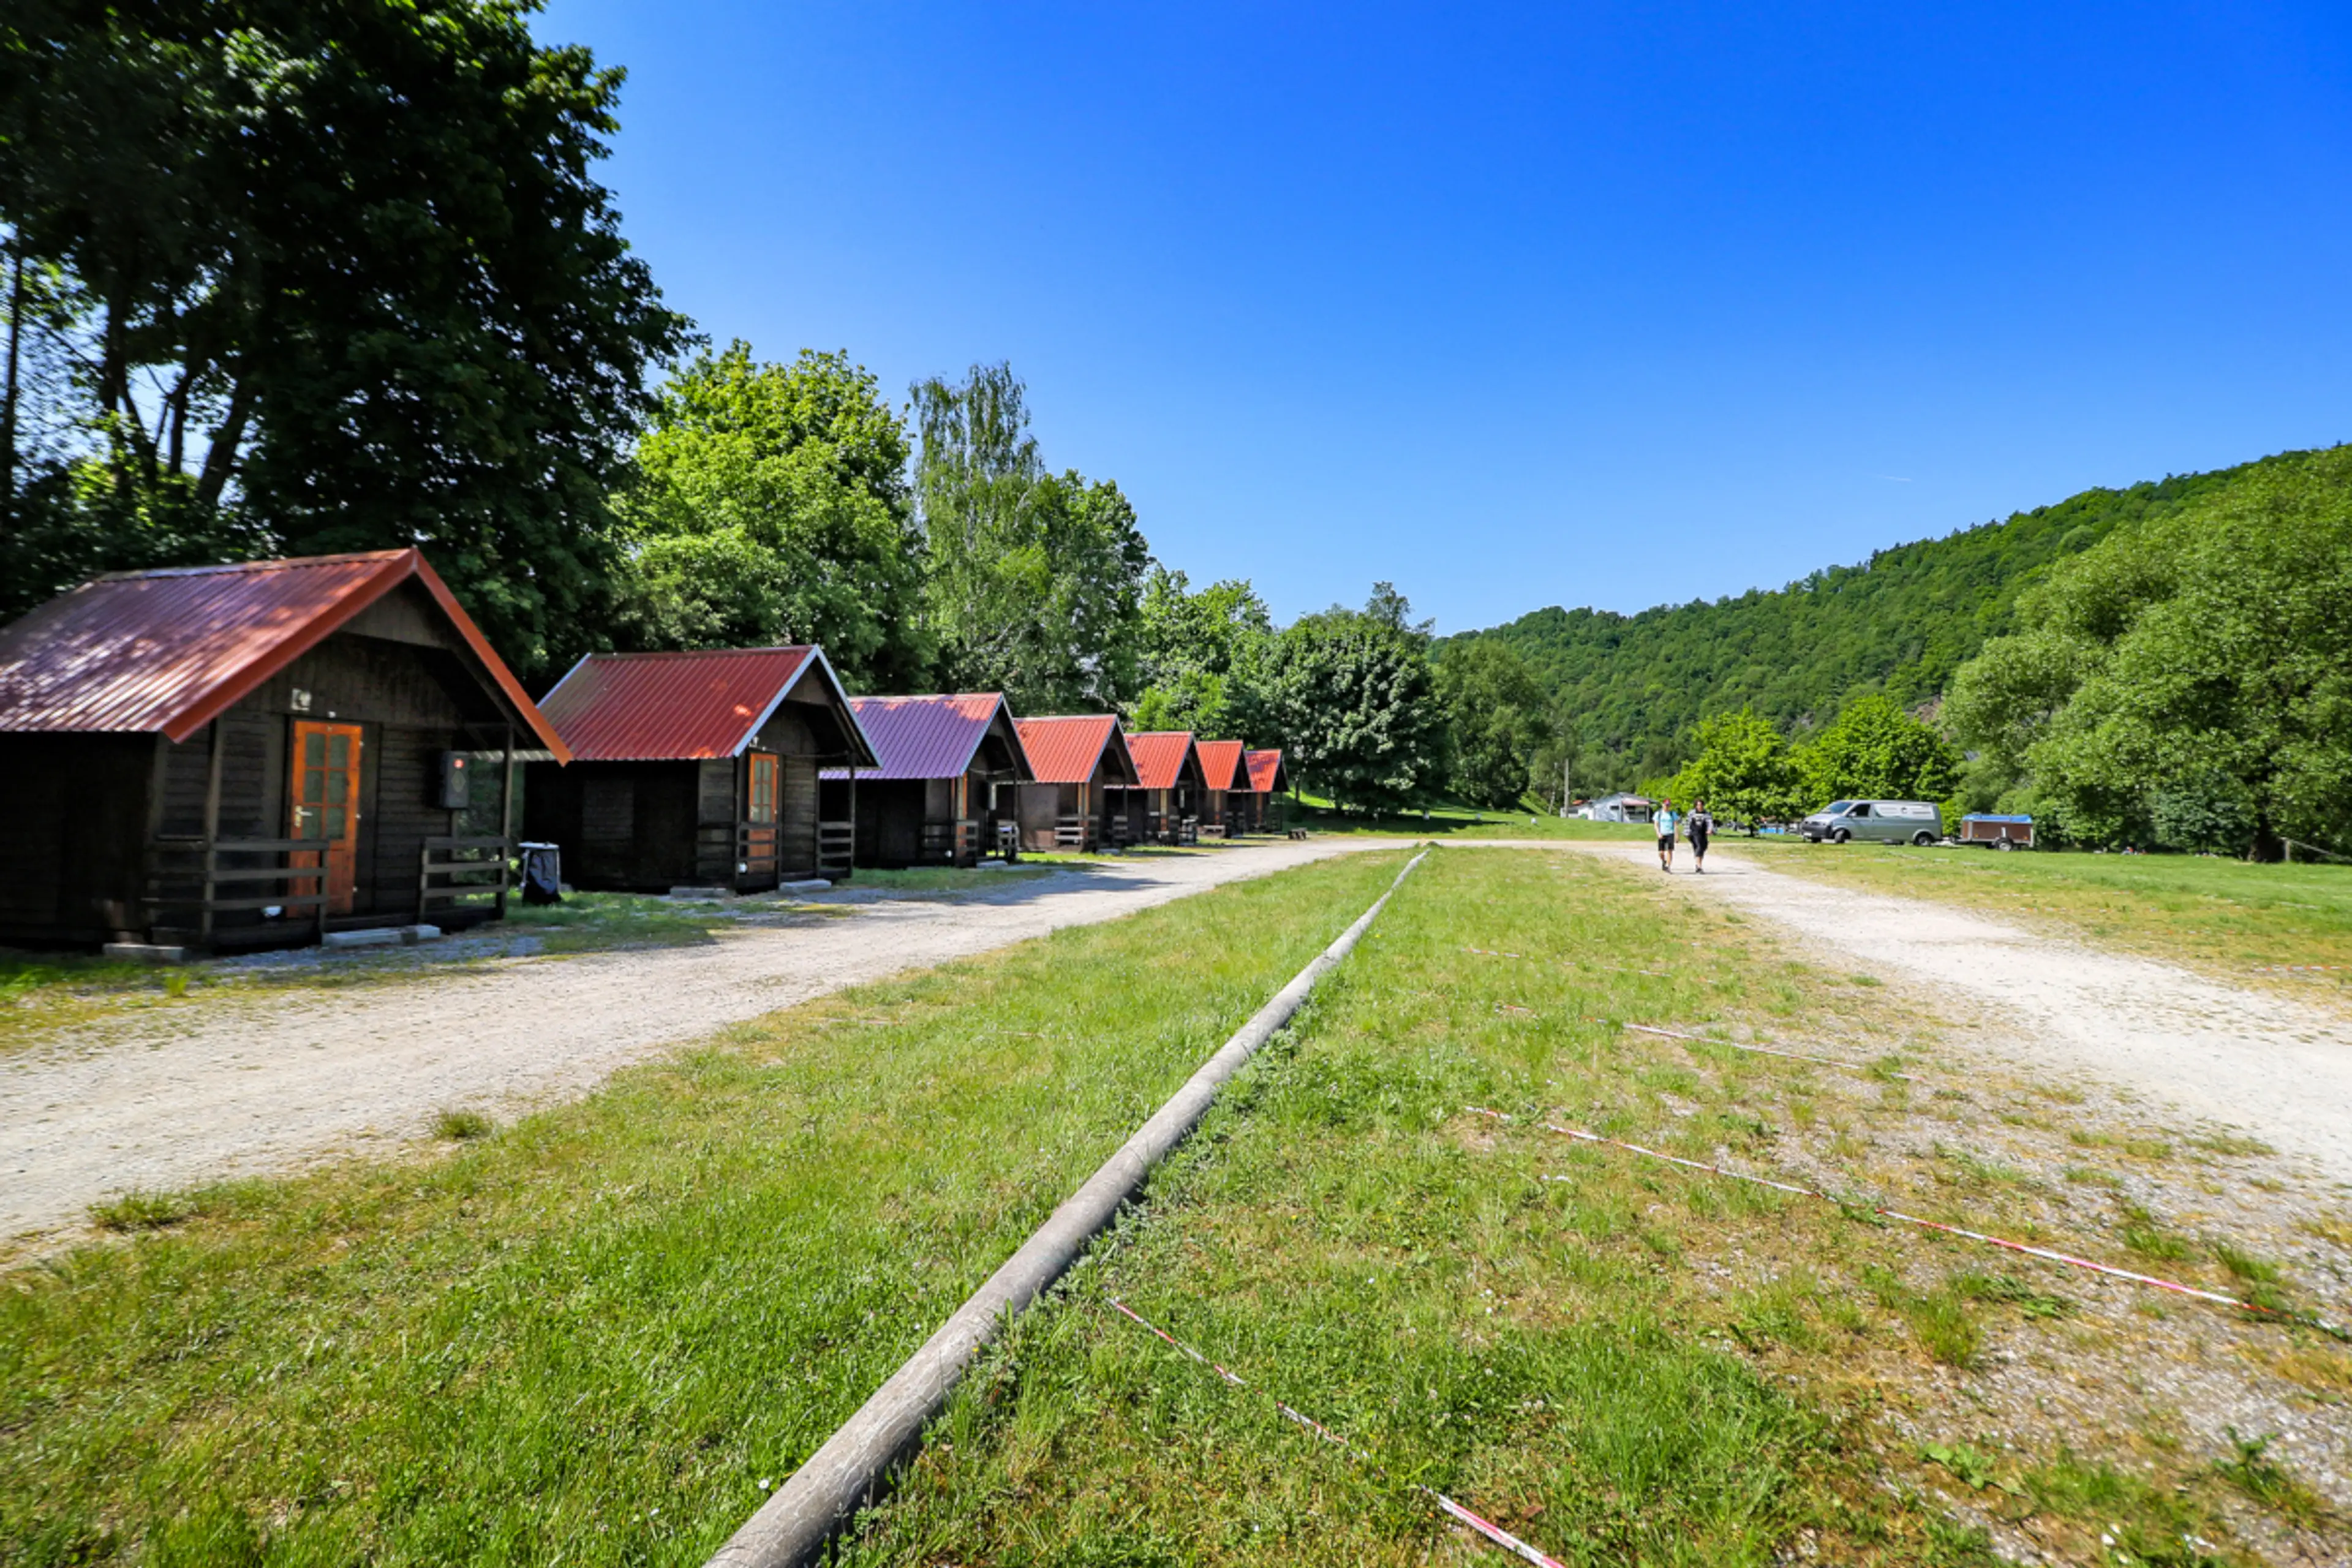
<point>263,1085</point>
<point>2266,1065</point>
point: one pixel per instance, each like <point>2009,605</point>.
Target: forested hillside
<point>1631,687</point>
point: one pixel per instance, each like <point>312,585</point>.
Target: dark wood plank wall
<point>721,796</point>
<point>72,854</point>
<point>796,817</point>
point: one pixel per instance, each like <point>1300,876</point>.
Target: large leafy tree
<point>318,278</point>
<point>1743,772</point>
<point>1199,655</point>
<point>1350,696</point>
<point>1497,719</point>
<point>1874,750</point>
<point>1035,579</point>
<point>2191,680</point>
<point>771,505</point>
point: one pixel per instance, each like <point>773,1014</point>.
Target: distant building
<point>1617,808</point>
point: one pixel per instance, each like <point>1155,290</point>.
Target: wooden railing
<point>200,883</point>
<point>463,862</point>
<point>835,842</point>
<point>1070,833</point>
<point>954,843</point>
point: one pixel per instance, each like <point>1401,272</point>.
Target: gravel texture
<point>262,1084</point>
<point>2269,1066</point>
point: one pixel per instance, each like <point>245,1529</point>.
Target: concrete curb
<point>852,1469</point>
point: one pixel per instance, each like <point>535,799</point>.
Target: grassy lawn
<point>598,1335</point>
<point>591,1336</point>
<point>2225,917</point>
<point>1618,1361</point>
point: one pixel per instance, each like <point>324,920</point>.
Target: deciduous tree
<point>1497,717</point>
<point>1351,697</point>
<point>1035,579</point>
<point>1744,771</point>
<point>1874,750</point>
<point>771,505</point>
<point>327,277</point>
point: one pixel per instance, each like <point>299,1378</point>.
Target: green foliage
<point>2190,679</point>
<point>1200,656</point>
<point>1875,751</point>
<point>1497,719</point>
<point>1035,580</point>
<point>329,278</point>
<point>1744,772</point>
<point>770,506</point>
<point>1631,687</point>
<point>1349,697</point>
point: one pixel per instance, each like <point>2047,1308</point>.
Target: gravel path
<point>2269,1066</point>
<point>264,1084</point>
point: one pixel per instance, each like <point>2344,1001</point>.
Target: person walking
<point>1664,819</point>
<point>1697,826</point>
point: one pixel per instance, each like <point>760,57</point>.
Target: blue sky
<point>1573,304</point>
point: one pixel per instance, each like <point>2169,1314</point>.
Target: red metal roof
<point>1221,761</point>
<point>928,737</point>
<point>1159,756</point>
<point>172,650</point>
<point>673,706</point>
<point>1068,750</point>
<point>1265,770</point>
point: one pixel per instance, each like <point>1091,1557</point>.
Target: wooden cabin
<point>949,776</point>
<point>1169,769</point>
<point>1081,769</point>
<point>1262,800</point>
<point>254,755</point>
<point>1221,776</point>
<point>698,770</point>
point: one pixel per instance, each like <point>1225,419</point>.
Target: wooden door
<point>760,835</point>
<point>325,795</point>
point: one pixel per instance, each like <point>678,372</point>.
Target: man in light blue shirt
<point>1665,818</point>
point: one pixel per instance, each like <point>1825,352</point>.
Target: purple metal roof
<point>172,650</point>
<point>929,737</point>
<point>665,707</point>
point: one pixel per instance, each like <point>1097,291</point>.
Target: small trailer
<point>1997,832</point>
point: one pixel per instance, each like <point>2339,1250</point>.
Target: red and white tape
<point>2305,1319</point>
<point>1492,1532</point>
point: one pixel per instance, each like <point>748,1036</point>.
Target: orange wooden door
<point>759,839</point>
<point>325,793</point>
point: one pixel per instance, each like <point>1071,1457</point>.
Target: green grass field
<point>599,1334</point>
<point>1444,823</point>
<point>2245,923</point>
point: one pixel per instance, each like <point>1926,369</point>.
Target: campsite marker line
<point>1492,1532</point>
<point>2309,1320</point>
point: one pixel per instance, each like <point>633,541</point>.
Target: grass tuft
<point>137,1211</point>
<point>461,1126</point>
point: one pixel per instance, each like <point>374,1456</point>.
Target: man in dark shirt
<point>1695,827</point>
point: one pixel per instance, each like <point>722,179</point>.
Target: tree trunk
<point>8,397</point>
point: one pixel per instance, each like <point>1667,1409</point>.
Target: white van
<point>1875,821</point>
